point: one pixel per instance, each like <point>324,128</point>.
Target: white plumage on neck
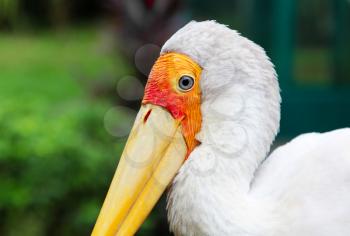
<point>240,121</point>
<point>222,189</point>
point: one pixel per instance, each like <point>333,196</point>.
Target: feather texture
<point>225,187</point>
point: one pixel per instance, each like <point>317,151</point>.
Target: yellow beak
<point>152,156</point>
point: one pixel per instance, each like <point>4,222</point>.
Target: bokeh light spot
<point>118,121</point>
<point>145,57</point>
<point>130,88</point>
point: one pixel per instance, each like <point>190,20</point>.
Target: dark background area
<point>72,75</point>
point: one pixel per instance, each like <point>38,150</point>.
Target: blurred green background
<point>71,77</point>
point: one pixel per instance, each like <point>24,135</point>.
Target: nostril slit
<point>146,116</point>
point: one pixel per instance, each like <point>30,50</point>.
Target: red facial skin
<point>162,90</point>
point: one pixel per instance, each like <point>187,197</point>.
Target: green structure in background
<point>309,43</point>
<point>342,41</point>
<point>311,107</point>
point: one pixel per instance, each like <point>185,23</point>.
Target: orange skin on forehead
<point>162,90</point>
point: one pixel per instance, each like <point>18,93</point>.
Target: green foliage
<point>9,8</point>
<point>55,164</point>
<point>56,158</point>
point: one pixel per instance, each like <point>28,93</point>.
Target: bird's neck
<point>210,194</point>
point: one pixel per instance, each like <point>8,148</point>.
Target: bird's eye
<point>186,83</point>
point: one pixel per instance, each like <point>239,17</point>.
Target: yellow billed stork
<point>209,115</point>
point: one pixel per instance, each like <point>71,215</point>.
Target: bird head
<point>200,63</point>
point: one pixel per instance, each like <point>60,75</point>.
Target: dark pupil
<point>185,82</point>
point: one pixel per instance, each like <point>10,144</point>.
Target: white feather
<point>226,187</point>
